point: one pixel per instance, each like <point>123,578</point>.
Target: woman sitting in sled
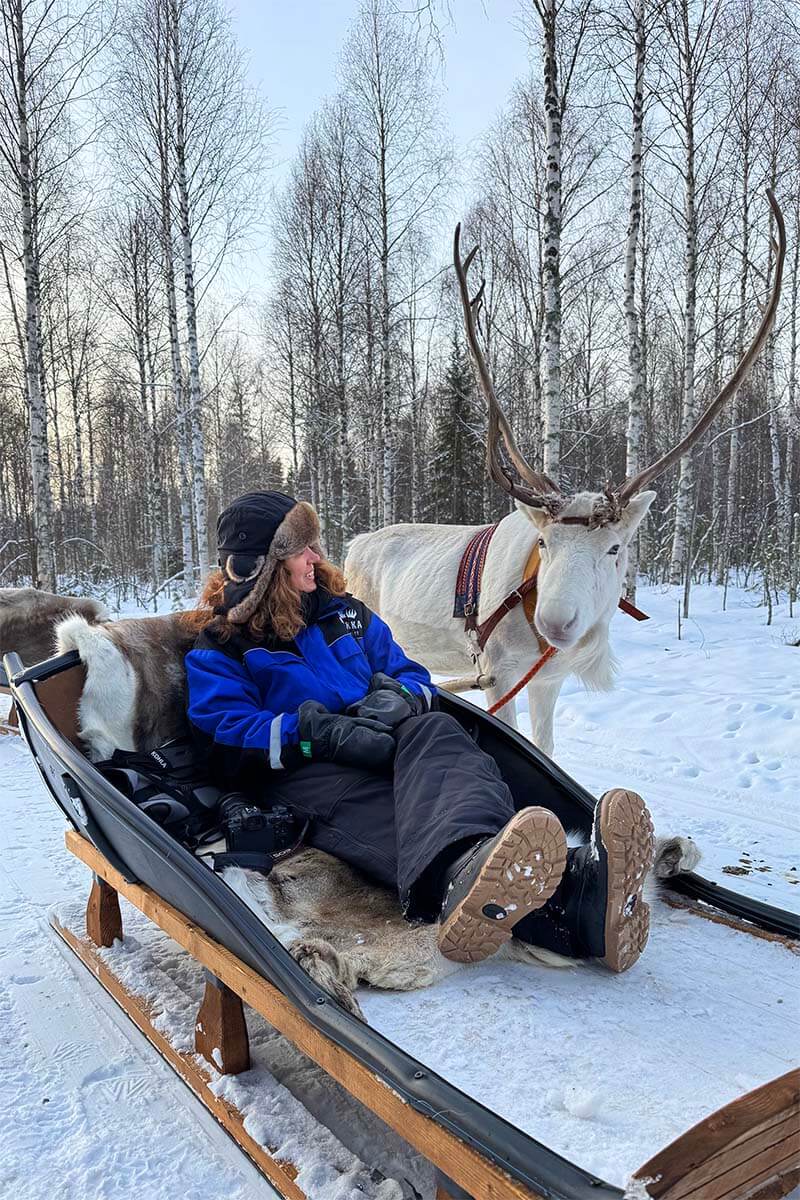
<point>300,692</point>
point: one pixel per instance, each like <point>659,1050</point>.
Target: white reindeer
<point>407,573</point>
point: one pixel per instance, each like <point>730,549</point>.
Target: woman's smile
<point>301,570</point>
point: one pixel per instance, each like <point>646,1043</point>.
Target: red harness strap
<point>526,678</point>
<point>486,628</point>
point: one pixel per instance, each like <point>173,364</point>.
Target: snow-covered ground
<point>706,728</point>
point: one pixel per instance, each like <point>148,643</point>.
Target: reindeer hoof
<point>675,856</point>
<point>327,968</point>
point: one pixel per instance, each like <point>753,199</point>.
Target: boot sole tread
<point>626,829</point>
<point>519,876</point>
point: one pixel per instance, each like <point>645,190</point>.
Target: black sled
<point>748,1148</point>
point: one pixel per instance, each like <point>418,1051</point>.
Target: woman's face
<point>301,569</point>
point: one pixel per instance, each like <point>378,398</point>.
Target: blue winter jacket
<point>243,697</point>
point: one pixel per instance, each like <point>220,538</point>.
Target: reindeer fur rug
<point>345,930</point>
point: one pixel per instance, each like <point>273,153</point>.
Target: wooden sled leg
<point>103,918</point>
<point>751,1147</point>
<point>220,1034</point>
<point>478,1176</point>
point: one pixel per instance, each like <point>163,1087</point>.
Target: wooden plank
<point>718,1145</point>
<point>771,1135</point>
<point>778,1188</point>
<point>465,1166</point>
<point>764,1169</point>
<point>281,1174</point>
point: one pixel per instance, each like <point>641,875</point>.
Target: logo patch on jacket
<point>352,622</point>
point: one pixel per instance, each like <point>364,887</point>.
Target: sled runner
<point>749,1147</point>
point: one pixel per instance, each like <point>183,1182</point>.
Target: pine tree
<point>457,466</point>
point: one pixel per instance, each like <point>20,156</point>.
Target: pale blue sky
<point>293,53</point>
<point>294,50</point>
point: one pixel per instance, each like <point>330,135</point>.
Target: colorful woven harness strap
<point>470,570</point>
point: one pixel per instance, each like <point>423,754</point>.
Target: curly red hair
<point>280,611</point>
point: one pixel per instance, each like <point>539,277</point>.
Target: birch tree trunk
<point>743,102</point>
<point>178,391</point>
<point>717,492</point>
<point>43,565</point>
<point>156,483</point>
<point>684,504</point>
<point>792,415</point>
<point>194,411</point>
<point>636,386</point>
<point>552,244</point>
<point>779,485</point>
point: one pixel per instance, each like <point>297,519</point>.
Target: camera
<point>247,827</point>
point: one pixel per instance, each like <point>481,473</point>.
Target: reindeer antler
<point>636,483</point>
<point>542,492</point>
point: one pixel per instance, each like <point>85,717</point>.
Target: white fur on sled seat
<point>134,695</point>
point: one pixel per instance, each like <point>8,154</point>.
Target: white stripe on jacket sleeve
<point>428,694</point>
<point>275,743</point>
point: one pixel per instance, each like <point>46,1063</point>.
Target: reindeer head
<point>583,557</point>
<point>584,539</point>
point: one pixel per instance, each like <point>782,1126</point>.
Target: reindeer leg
<point>542,697</point>
<point>501,682</point>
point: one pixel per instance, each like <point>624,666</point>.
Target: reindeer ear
<point>635,511</point>
<point>540,517</point>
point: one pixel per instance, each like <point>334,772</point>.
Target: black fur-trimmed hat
<point>255,533</point>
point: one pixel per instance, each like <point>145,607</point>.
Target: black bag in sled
<point>171,785</point>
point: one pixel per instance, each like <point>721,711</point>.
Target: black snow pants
<point>441,790</point>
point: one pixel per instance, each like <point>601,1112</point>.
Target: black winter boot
<point>597,911</point>
<point>498,882</point>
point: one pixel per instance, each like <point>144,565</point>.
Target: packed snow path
<point>706,728</point>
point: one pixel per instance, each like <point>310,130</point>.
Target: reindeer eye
<point>614,549</point>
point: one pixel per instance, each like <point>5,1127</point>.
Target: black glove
<point>335,737</point>
<point>389,701</point>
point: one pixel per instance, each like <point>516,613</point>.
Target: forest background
<point>619,203</point>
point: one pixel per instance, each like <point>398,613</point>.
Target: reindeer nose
<point>559,630</point>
